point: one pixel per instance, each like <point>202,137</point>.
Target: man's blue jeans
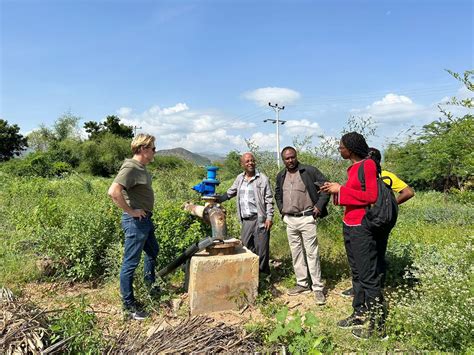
<point>139,235</point>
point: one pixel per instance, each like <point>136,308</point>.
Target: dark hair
<point>355,142</point>
<point>287,148</point>
<point>375,155</point>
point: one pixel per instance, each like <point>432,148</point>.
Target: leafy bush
<point>65,221</point>
<point>36,164</point>
<point>437,313</point>
<point>300,334</point>
<point>176,230</point>
<point>103,157</point>
<point>77,325</point>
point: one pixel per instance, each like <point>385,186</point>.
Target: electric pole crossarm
<point>277,110</point>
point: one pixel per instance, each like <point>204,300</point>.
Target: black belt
<point>250,218</point>
<point>300,214</point>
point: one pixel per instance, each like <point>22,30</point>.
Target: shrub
<point>77,325</point>
<point>176,230</point>
<point>105,156</point>
<point>299,333</point>
<point>437,313</point>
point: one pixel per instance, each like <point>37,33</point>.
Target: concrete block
<point>222,282</point>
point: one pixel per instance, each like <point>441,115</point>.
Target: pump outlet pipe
<point>212,214</point>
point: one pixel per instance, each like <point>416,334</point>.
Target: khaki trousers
<point>301,232</point>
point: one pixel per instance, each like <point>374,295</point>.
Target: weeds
<point>77,325</point>
<point>299,333</point>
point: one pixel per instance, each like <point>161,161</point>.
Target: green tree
<point>11,142</point>
<point>231,166</point>
<point>66,127</point>
<point>40,139</point>
<point>111,125</point>
<point>103,157</point>
<point>440,155</point>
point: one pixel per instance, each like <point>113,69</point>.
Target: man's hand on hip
<point>268,225</point>
<point>316,212</point>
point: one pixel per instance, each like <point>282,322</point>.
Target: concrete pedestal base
<point>222,282</point>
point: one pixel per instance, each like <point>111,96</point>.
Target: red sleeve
<point>352,194</point>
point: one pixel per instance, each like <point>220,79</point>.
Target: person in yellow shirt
<point>404,193</point>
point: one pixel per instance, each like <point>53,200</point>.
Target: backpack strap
<point>361,175</point>
<point>389,183</point>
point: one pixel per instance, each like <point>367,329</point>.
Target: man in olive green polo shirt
<point>132,192</point>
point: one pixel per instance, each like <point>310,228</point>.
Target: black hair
<point>375,155</point>
<point>287,148</point>
<point>355,142</point>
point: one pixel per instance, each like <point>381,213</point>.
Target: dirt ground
<point>105,303</point>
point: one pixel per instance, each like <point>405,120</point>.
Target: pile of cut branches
<point>194,335</point>
<point>23,328</point>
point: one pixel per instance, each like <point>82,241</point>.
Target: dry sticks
<point>193,335</point>
<point>23,328</point>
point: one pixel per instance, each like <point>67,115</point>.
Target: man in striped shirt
<point>254,209</point>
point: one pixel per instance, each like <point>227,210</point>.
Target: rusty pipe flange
<point>223,247</point>
<point>214,199</point>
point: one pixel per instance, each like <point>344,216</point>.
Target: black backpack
<point>384,212</point>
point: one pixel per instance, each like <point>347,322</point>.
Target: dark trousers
<point>139,236</point>
<point>257,240</point>
<point>382,242</point>
<point>361,249</point>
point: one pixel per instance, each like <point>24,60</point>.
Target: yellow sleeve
<point>397,183</point>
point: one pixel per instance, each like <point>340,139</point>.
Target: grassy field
<point>71,230</point>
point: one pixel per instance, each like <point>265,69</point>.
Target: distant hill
<point>184,154</point>
<point>213,157</point>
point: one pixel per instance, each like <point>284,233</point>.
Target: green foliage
<point>41,138</point>
<point>36,164</point>
<point>77,325</point>
<point>65,221</point>
<point>437,313</point>
<point>11,142</point>
<point>65,127</point>
<point>111,125</point>
<point>168,162</point>
<point>299,333</point>
<point>440,155</point>
<point>105,156</point>
<point>232,166</point>
<point>175,230</point>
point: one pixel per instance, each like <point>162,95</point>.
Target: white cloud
<point>124,111</point>
<point>175,109</point>
<point>264,141</point>
<point>179,126</point>
<point>302,127</point>
<point>263,96</point>
<point>393,108</point>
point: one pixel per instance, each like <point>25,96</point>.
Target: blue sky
<point>199,74</point>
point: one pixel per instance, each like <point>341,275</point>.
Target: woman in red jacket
<point>359,240</point>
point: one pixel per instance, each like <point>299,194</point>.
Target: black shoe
<point>132,312</point>
<point>353,321</point>
<point>367,333</point>
<point>348,293</point>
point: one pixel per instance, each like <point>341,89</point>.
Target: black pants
<point>382,242</point>
<point>361,249</point>
<point>257,240</point>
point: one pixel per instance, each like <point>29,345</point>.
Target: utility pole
<point>135,130</point>
<point>277,110</point>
